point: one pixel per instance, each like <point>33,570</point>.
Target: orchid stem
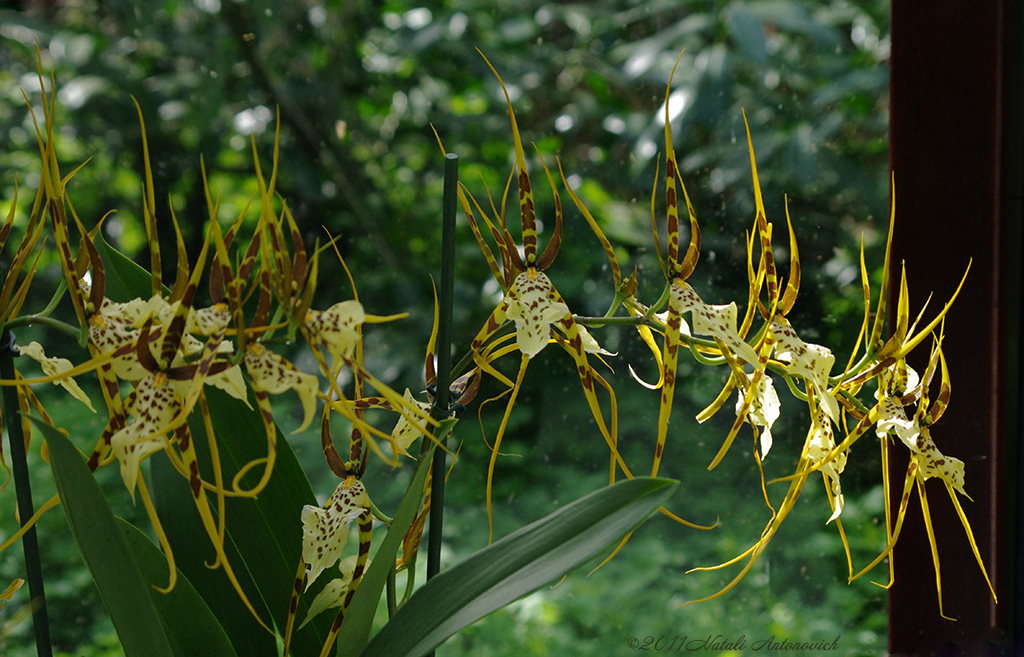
<point>29,542</point>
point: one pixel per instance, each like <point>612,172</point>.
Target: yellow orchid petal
<point>590,344</point>
<point>325,530</point>
<point>405,432</point>
<point>231,382</point>
<point>273,374</point>
<point>336,330</point>
<point>532,307</point>
<point>53,367</point>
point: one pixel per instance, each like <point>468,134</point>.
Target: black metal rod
<point>19,464</point>
<point>444,356</point>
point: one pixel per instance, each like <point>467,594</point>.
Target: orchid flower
<point>531,300</point>
<point>325,530</point>
<point>325,533</point>
<point>896,384</point>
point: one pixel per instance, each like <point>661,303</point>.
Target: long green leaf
<point>267,531</point>
<point>518,564</point>
<point>187,617</point>
<point>192,551</point>
<point>122,587</point>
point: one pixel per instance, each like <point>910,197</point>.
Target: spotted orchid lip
<point>533,308</point>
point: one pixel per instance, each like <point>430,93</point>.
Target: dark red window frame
<point>956,149</point>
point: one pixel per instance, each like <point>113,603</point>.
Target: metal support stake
<point>19,464</point>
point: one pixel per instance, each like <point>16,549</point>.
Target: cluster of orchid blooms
<point>169,350</point>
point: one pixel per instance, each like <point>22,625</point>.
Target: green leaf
<point>187,617</point>
<point>265,533</point>
<point>125,280</point>
<point>192,551</point>
<point>518,564</point>
<point>122,587</point>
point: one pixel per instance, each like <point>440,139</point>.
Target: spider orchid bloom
<point>531,300</point>
<point>778,336</point>
<point>325,530</point>
<point>55,367</point>
<point>718,321</point>
<point>893,420</point>
<point>810,361</point>
<point>272,374</point>
<point>338,331</point>
<point>324,536</point>
<point>818,439</point>
<point>926,461</point>
<point>820,444</point>
<point>676,270</point>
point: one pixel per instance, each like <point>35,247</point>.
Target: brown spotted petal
<point>325,530</point>
<point>336,330</point>
<point>893,419</point>
<point>820,445</point>
<point>273,374</point>
<point>811,361</point>
<point>532,306</point>
<point>708,319</point>
<point>155,407</point>
<point>209,321</point>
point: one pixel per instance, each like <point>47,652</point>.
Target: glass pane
<point>358,87</point>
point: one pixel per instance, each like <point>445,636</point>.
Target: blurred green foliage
<point>358,86</point>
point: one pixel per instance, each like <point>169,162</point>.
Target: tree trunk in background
<point>956,153</point>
